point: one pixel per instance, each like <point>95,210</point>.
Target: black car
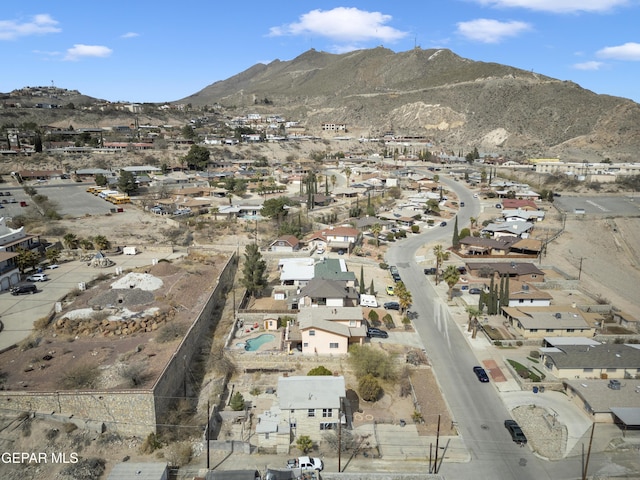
<point>443,224</point>
<point>481,374</point>
<point>24,289</point>
<point>396,277</point>
<point>517,435</point>
<point>376,332</point>
<point>430,271</point>
<point>475,291</point>
<point>391,306</point>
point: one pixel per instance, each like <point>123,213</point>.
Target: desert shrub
<point>374,317</point>
<point>52,433</point>
<point>319,371</point>
<point>415,228</point>
<point>417,417</point>
<point>383,266</point>
<point>534,354</point>
<point>85,469</point>
<point>41,323</point>
<point>519,343</point>
<point>237,402</point>
<point>255,391</point>
<point>134,374</point>
<point>346,441</point>
<point>82,376</point>
<point>170,332</point>
<point>369,361</point>
<point>369,388</point>
<point>29,343</point>
<point>179,454</point>
<point>150,444</point>
<point>388,321</point>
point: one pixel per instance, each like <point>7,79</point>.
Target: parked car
<point>377,333</point>
<point>306,463</point>
<point>475,291</point>
<point>517,435</point>
<point>340,252</point>
<point>38,277</point>
<point>443,224</point>
<point>498,205</point>
<point>390,290</point>
<point>396,277</point>
<point>430,271</point>
<point>481,374</point>
<point>53,266</point>
<point>24,289</point>
<point>391,306</point>
<point>462,204</point>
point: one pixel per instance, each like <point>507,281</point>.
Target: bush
<point>304,444</point>
<point>83,376</point>
<point>366,360</point>
<point>388,321</point>
<point>150,444</point>
<point>374,318</point>
<point>534,354</point>
<point>383,266</point>
<point>319,371</point>
<point>85,469</point>
<point>415,228</point>
<point>170,332</point>
<point>369,388</point>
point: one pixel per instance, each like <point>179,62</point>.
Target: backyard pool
<point>254,344</point>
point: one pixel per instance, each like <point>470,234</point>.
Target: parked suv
<point>376,332</point>
<point>38,277</point>
<point>517,435</point>
<point>24,289</point>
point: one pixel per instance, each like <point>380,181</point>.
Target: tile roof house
<point>286,243</point>
<point>522,271</point>
<point>523,294</point>
<point>486,246</point>
<point>335,238</point>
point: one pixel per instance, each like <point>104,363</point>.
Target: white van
<point>368,301</point>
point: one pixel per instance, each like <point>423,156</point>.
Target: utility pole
<point>435,463</point>
<point>586,465</point>
<point>340,437</point>
<point>580,269</point>
<point>207,433</point>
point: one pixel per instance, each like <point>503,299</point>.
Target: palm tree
<point>347,172</point>
<point>100,242</point>
<point>70,240</point>
<point>451,275</point>
<point>53,254</point>
<point>376,229</point>
<point>404,296</point>
<point>473,221</point>
<point>333,181</point>
<point>441,256</point>
<point>214,211</point>
<point>473,313</point>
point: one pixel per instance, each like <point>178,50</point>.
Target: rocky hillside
<point>455,101</point>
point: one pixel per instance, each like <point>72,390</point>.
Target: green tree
<point>127,182</point>
<point>188,132</point>
<point>451,275</point>
<point>254,272</point>
<point>464,233</point>
<point>362,289</point>
<point>319,371</point>
<point>347,173</point>
<point>473,313</point>
<point>441,256</point>
<point>372,290</point>
<point>237,402</point>
<point>304,444</point>
<point>100,242</point>
<point>369,388</point>
<point>38,144</point>
<point>101,180</point>
<point>374,318</point>
<point>432,206</point>
<point>367,360</point>
<point>275,208</point>
<point>455,241</point>
<point>197,158</point>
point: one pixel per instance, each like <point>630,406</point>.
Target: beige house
<point>550,321</point>
<point>603,361</point>
<point>330,331</point>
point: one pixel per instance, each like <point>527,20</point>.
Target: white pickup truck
<point>306,463</point>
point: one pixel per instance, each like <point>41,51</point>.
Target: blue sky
<point>155,51</point>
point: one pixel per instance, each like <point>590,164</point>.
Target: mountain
<point>457,102</point>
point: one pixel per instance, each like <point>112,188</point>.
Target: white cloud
<point>79,51</point>
<point>130,35</point>
<point>628,51</point>
<point>491,31</point>
<point>558,6</point>
<point>592,65</point>
<point>342,24</point>
<point>39,25</point>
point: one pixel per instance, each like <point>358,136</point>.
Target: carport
<point>627,418</point>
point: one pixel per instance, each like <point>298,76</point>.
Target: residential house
<point>330,331</point>
<point>519,204</point>
<point>486,246</point>
<point>304,405</point>
<point>524,294</point>
<point>512,228</point>
<point>606,401</point>
<point>334,269</point>
<point>553,320</point>
<point>286,243</point>
<point>296,271</point>
<point>336,238</point>
<point>627,321</point>
<point>521,271</point>
<point>523,215</point>
<point>320,292</point>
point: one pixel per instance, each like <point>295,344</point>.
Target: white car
<point>52,266</point>
<point>38,277</point>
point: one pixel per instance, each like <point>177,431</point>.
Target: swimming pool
<point>254,344</point>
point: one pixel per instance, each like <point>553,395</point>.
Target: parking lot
<point>626,205</point>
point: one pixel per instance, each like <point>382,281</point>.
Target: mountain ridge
<point>436,93</point>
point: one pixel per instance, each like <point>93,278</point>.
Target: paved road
<point>477,408</point>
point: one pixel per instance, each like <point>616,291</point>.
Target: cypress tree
<point>371,289</point>
<point>362,289</point>
<point>456,235</point>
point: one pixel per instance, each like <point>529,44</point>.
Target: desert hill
<point>438,94</point>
